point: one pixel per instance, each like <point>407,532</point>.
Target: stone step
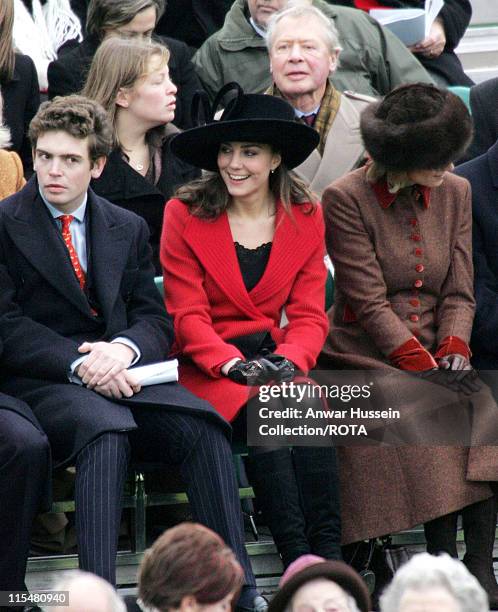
<point>478,52</point>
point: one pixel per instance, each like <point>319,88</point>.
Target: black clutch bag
<point>251,345</point>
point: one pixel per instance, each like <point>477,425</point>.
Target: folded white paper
<point>410,25</point>
<point>156,373</point>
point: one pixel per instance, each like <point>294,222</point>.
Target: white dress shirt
<point>78,237</point>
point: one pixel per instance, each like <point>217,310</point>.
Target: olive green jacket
<point>373,61</point>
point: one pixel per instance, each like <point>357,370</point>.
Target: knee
<point>211,431</point>
<point>24,444</point>
<point>110,447</point>
<point>212,439</point>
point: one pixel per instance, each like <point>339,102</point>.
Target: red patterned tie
<point>66,234</point>
<point>309,119</point>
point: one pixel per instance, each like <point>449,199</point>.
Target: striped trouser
<point>196,445</point>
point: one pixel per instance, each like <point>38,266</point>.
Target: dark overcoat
<point>67,74</point>
<point>188,20</point>
<point>482,173</point>
<point>484,110</point>
<point>8,402</point>
<point>401,271</point>
<point>124,186</point>
<point>44,317</point>
<point>21,99</point>
<point>192,20</point>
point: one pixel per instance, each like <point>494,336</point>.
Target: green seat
<point>159,284</point>
<point>329,283</point>
<point>329,290</point>
<point>463,93</point>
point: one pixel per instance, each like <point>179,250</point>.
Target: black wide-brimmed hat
<point>416,127</point>
<point>247,118</point>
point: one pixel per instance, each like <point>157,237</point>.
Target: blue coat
<point>482,173</point>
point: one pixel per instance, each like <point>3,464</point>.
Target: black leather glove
<point>461,371</point>
<point>254,372</point>
<point>458,381</point>
<point>286,368</point>
<point>262,370</point>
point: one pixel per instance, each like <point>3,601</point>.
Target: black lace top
<point>252,262</point>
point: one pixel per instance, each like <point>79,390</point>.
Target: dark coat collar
<point>20,60</point>
<point>386,198</point>
<point>492,157</point>
<point>32,229</point>
<point>16,76</point>
<point>119,181</point>
<point>89,45</point>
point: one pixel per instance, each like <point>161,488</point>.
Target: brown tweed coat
<point>11,173</point>
<point>402,270</point>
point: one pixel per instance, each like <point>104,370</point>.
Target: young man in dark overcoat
<point>78,308</point>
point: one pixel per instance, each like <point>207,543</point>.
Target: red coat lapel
<point>213,244</point>
<point>287,249</point>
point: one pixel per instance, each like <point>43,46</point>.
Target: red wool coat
<point>205,294</point>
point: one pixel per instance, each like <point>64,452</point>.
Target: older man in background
<point>373,60</point>
<point>304,52</point>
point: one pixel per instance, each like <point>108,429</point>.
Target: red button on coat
<point>416,237</point>
<point>418,252</point>
<point>414,318</point>
<point>415,303</point>
<point>418,283</point>
<point>413,222</point>
<point>419,268</point>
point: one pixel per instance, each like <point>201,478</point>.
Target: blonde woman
<point>131,80</point>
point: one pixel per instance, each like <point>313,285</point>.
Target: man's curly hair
<point>78,116</point>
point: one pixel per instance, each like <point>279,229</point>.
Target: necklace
<point>140,158</point>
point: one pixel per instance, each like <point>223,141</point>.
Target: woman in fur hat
<point>399,234</point>
<point>238,247</point>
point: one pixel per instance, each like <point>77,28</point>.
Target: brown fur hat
<point>416,127</point>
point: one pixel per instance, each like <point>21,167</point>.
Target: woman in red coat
<point>240,246</point>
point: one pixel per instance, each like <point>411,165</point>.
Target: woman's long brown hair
<point>7,56</point>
